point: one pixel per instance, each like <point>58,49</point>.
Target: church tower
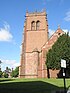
<point>35,35</point>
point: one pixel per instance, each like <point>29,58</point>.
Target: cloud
<point>66,30</point>
<point>67,18</point>
<point>21,49</point>
<point>5,34</point>
<point>9,63</point>
<point>51,32</point>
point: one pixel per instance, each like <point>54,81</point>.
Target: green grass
<point>32,85</point>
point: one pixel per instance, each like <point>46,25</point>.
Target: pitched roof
<point>48,45</point>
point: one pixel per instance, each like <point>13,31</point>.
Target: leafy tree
<point>0,70</point>
<point>8,70</point>
<point>0,64</point>
<point>0,61</point>
<point>60,50</point>
<point>5,75</point>
<point>1,74</point>
<point>15,72</point>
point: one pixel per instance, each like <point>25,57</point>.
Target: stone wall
<point>53,73</point>
<point>31,66</point>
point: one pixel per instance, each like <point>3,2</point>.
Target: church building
<point>35,45</point>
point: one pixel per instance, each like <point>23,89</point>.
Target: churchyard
<point>12,85</point>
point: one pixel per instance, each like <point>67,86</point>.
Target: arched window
<point>33,25</point>
<point>37,25</point>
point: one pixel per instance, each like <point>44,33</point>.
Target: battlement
<point>43,13</point>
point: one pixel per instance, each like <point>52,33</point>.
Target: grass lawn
<point>32,85</point>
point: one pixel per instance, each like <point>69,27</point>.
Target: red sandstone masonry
<point>35,46</point>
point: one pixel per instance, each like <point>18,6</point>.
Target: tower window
<point>37,25</point>
<point>33,25</point>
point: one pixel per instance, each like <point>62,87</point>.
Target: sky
<point>12,17</point>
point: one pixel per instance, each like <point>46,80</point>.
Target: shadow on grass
<point>28,87</point>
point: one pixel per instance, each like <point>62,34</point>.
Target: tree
<point>0,70</point>
<point>0,65</point>
<point>60,50</point>
<point>1,74</point>
<point>0,61</point>
<point>5,75</point>
<point>15,72</point>
<point>7,72</point>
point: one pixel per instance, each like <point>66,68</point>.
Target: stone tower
<point>34,37</point>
